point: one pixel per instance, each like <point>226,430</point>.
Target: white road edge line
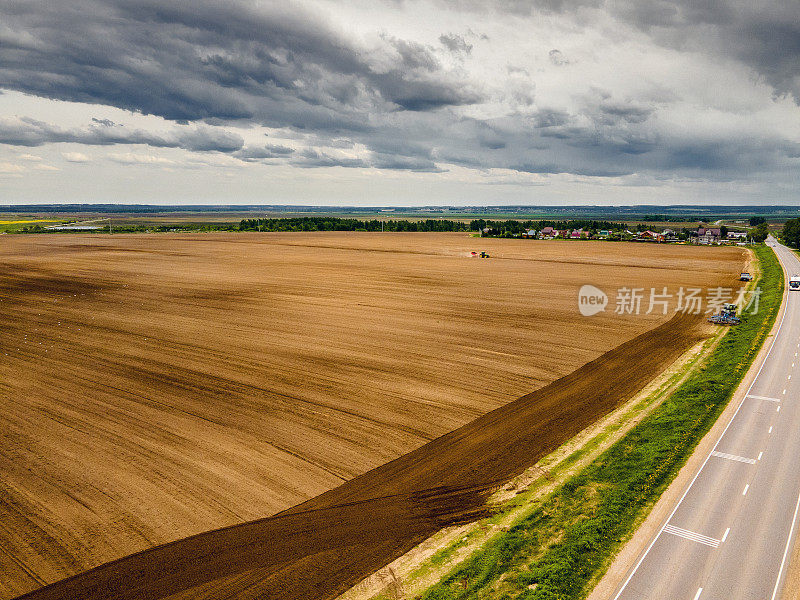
<point>696,475</point>
<point>786,551</point>
<point>697,595</point>
<point>749,461</point>
<point>770,429</point>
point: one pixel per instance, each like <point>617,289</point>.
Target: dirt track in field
<point>157,387</point>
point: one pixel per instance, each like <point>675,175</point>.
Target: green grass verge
<point>567,542</point>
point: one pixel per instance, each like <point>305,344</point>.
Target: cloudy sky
<point>400,102</point>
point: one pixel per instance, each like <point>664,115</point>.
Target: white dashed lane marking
<point>749,461</point>
<point>754,397</point>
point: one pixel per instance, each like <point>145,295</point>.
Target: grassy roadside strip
<point>568,540</point>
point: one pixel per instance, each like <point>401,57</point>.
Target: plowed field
<point>155,387</point>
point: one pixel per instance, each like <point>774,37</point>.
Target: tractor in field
<point>727,316</point>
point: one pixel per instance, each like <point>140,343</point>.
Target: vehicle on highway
<point>745,276</point>
<point>794,282</point>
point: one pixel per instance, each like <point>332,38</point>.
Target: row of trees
<point>338,224</point>
<point>515,227</point>
<point>791,233</point>
<point>511,226</point>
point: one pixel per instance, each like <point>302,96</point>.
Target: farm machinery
<point>727,316</point>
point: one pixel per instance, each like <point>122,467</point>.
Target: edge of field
<point>557,528</point>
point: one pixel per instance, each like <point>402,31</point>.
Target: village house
<point>548,233</point>
<point>708,235</point>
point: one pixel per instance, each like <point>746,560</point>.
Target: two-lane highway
<point>730,534</point>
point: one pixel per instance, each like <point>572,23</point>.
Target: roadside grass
<point>567,541</point>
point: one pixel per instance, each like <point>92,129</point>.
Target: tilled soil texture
<point>155,387</point>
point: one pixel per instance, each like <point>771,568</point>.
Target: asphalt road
<point>729,536</point>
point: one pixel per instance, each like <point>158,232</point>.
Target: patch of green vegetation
<point>25,225</point>
<point>562,546</point>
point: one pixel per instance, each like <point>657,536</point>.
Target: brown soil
<point>323,546</point>
<point>156,387</point>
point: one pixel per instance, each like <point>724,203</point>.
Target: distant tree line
<point>339,224</point>
<point>515,227</point>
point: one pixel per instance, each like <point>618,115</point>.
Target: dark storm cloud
<point>312,158</point>
<point>555,168</point>
<point>520,7</point>
<point>268,151</point>
<point>455,43</point>
<point>391,101</point>
<point>550,118</point>
<point>763,35</point>
<point>31,132</point>
<point>613,112</point>
<point>405,163</point>
<point>206,60</point>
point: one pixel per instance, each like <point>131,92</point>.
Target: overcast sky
<point>394,102</point>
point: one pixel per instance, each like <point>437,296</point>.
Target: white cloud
<point>130,158</point>
<point>75,157</point>
<point>6,167</point>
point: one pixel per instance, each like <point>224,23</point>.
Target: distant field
<point>157,386</point>
<point>15,224</point>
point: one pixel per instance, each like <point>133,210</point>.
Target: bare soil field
<point>156,387</point>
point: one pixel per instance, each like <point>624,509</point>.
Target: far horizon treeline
<point>504,228</point>
<point>340,224</point>
<point>510,226</point>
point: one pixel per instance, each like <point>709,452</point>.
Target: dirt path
<point>323,546</point>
